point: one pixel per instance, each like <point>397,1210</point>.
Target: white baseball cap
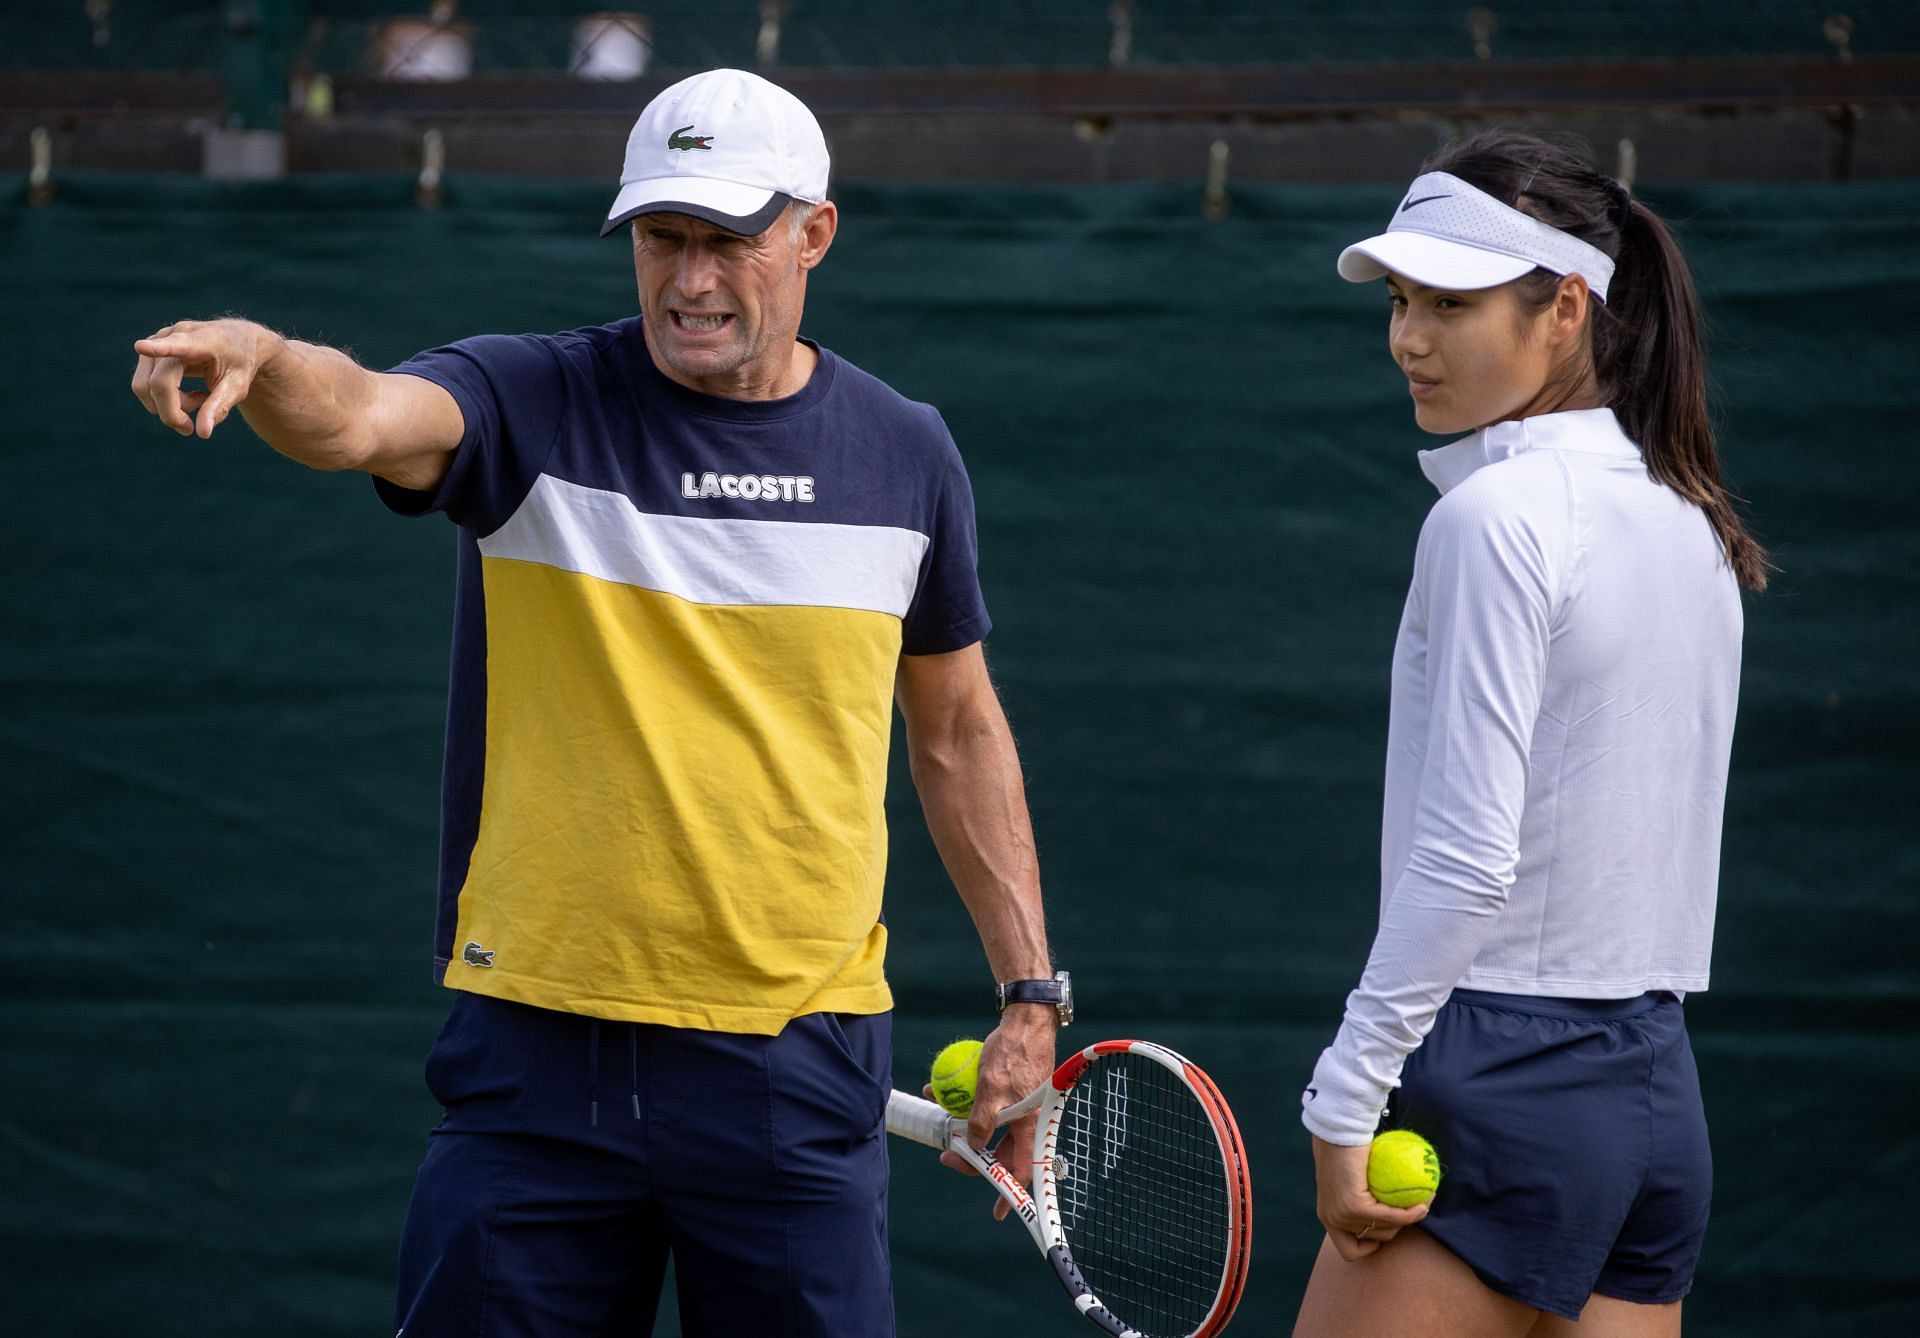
<point>725,146</point>
<point>1449,234</point>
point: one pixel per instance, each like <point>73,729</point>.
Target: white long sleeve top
<point>1562,715</point>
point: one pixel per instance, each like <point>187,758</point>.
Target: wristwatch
<point>1058,992</point>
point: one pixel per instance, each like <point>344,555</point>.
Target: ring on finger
<point>1362,1233</point>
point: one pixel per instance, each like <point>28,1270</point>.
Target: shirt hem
<point>757,1021</point>
<point>946,640</point>
<point>1580,989</point>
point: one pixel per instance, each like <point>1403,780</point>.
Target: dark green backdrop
<point>223,683</point>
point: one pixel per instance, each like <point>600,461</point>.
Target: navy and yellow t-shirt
<point>678,623</point>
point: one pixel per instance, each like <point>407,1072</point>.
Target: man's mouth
<point>699,322</point>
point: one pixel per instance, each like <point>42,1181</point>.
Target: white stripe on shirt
<point>712,560</point>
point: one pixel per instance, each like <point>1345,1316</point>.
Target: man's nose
<point>698,271</point>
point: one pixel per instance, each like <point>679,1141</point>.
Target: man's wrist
<point>1034,1015</point>
<point>268,345</point>
<point>1054,992</point>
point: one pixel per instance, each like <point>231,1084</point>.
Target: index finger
<point>169,346</point>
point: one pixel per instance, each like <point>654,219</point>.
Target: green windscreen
<point>224,685</point>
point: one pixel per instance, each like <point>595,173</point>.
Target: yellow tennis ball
<point>1402,1169</point>
<point>956,1070</point>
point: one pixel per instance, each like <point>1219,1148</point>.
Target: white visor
<point>1448,234</point>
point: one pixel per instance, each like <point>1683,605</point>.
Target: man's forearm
<point>968,775</point>
<point>311,403</point>
<point>976,806</point>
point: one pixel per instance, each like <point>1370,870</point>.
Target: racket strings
<point>1143,1194</point>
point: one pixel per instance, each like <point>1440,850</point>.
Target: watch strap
<point>1056,993</point>
<point>1032,991</point>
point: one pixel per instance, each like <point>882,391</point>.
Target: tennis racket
<point>1139,1195</point>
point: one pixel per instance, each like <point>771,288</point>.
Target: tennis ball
<point>955,1071</point>
<point>1402,1169</point>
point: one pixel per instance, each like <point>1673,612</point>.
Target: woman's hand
<point>1356,1222</point>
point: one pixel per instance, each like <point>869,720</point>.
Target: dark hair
<point>1645,338</point>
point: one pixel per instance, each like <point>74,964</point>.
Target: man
<point>699,558</point>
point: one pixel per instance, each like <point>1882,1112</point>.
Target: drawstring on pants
<point>593,1069</point>
<point>593,1073</point>
<point>633,1059</point>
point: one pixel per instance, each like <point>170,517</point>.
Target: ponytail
<point>1648,361</point>
<point>1645,337</point>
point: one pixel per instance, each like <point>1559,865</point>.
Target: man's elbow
<point>959,743</point>
<point>337,456</point>
<point>930,761</point>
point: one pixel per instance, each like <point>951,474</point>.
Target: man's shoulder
<point>595,342</point>
<point>520,352</point>
<point>868,395</point>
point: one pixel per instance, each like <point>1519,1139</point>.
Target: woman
<point>1563,701</point>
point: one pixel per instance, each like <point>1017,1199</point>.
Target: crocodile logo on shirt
<point>475,955</point>
<point>680,139</point>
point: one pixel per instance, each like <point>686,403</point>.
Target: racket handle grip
<point>918,1119</point>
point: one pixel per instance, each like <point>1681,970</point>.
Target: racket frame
<point>1037,1203</point>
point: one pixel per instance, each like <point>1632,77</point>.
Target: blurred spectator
<point>435,48</point>
<point>612,45</point>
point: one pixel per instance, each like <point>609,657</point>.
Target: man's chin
<point>701,363</point>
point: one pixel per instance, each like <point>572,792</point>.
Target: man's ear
<point>818,236</point>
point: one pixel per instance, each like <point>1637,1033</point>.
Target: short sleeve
<point>948,612</point>
<point>512,396</point>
